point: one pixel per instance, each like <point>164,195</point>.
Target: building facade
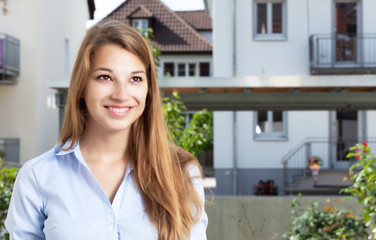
<point>48,34</point>
<point>307,43</point>
<point>182,37</point>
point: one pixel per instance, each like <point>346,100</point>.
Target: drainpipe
<point>235,160</point>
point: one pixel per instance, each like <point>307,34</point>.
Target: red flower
<point>356,151</point>
<point>357,157</point>
<point>365,144</point>
<point>363,150</point>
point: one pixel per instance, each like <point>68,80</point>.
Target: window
<point>270,125</point>
<point>270,19</point>
<point>204,69</point>
<point>140,24</point>
<point>168,69</point>
<point>186,69</point>
<point>181,69</point>
<point>192,69</point>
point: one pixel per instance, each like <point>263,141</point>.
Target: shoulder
<point>41,160</point>
<point>35,165</point>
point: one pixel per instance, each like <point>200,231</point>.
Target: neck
<point>100,146</point>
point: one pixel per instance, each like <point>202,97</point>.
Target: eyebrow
<point>109,70</point>
<point>102,69</point>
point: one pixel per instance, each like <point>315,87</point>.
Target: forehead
<point>113,55</point>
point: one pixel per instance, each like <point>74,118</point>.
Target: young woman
<point>116,173</point>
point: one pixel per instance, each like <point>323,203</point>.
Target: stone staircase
<point>330,182</point>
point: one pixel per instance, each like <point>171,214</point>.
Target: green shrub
<point>363,188</point>
<point>324,224</point>
<point>198,136</point>
<point>7,178</point>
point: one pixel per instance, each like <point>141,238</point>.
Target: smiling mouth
<point>118,109</point>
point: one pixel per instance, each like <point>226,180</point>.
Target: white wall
<point>57,21</point>
<point>17,102</point>
<point>268,154</point>
<point>369,17</point>
<point>28,109</point>
<point>371,120</point>
<point>223,139</point>
<point>223,38</point>
<point>320,16</point>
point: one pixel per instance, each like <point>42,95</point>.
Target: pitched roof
<point>141,12</point>
<point>199,20</point>
<point>172,34</point>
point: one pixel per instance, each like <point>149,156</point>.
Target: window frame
<point>270,136</point>
<point>270,36</point>
<point>141,21</point>
<point>197,69</point>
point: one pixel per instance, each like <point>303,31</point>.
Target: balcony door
<point>345,31</point>
<point>347,128</point>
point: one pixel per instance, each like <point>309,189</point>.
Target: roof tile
<point>199,20</point>
<point>172,33</point>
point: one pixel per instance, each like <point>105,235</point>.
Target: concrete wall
<point>258,218</point>
<point>28,108</point>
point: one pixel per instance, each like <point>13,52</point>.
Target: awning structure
<point>347,92</point>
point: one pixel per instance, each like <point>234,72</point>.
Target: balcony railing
<point>343,54</point>
<point>9,57</point>
<point>11,148</point>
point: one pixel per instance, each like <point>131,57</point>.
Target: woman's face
<point>116,89</point>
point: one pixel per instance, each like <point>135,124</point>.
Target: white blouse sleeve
<point>25,217</point>
<point>198,231</point>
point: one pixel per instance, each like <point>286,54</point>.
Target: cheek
<point>142,95</point>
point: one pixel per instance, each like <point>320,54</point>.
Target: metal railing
<point>342,53</point>
<point>9,57</point>
<point>11,149</point>
<point>330,150</point>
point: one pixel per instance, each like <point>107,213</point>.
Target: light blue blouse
<point>56,197</point>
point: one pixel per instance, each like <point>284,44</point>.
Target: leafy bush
<point>7,178</point>
<point>363,188</point>
<point>198,136</point>
<point>329,223</point>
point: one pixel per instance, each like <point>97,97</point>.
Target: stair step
<point>330,182</point>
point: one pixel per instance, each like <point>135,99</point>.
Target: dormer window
<point>141,25</point>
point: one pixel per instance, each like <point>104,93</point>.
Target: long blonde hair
<point>160,168</point>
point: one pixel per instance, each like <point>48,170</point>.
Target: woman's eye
<point>104,77</point>
<point>136,79</point>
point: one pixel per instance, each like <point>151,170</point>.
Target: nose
<point>120,91</point>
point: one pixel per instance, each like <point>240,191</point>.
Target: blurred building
<point>300,56</point>
<point>291,79</point>
<point>38,43</point>
<point>183,37</point>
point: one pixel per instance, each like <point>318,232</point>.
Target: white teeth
<point>118,110</point>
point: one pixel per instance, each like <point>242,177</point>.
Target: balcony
<point>342,54</point>
<point>9,59</point>
<point>11,148</point>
